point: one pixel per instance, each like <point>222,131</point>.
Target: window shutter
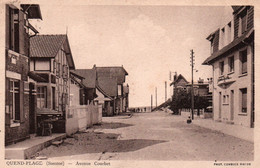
<point>7,100</point>
<point>7,26</point>
<point>21,33</point>
<point>22,96</point>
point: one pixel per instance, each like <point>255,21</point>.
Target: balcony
<point>225,80</point>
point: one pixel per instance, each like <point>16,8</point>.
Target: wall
<point>82,117</point>
<point>74,95</point>
<point>238,81</point>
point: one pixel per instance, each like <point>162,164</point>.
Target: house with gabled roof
<point>116,76</point>
<point>51,59</point>
<point>232,61</point>
<point>88,92</point>
<point>179,83</point>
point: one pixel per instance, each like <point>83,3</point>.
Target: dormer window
<point>242,22</point>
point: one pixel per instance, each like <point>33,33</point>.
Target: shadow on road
<point>113,125</point>
<point>97,142</point>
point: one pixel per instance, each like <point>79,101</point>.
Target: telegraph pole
<point>156,96</point>
<point>192,92</point>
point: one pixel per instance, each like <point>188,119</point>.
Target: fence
<point>82,117</point>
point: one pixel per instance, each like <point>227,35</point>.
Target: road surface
<point>151,136</point>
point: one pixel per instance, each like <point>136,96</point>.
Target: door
<point>220,105</point>
<point>231,105</point>
<point>32,112</point>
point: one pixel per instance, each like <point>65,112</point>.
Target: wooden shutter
<point>21,33</point>
<point>244,100</point>
<point>7,101</point>
<point>22,97</point>
<point>7,26</point>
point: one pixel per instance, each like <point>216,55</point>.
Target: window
<point>65,72</point>
<point>243,60</point>
<point>221,67</point>
<point>42,97</point>
<point>53,99</point>
<point>242,22</point>
<point>14,99</point>
<point>228,33</point>
<point>231,64</point>
<point>14,29</point>
<point>224,99</point>
<point>243,100</point>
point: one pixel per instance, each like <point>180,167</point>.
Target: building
<point>179,83</point>
<point>232,61</point>
<point>20,89</point>
<point>114,77</point>
<point>88,92</point>
<point>51,59</point>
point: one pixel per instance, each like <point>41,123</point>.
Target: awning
<point>36,77</point>
<point>33,10</point>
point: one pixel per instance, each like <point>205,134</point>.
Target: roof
<point>47,46</point>
<point>34,11</point>
<point>108,85</point>
<point>103,92</point>
<point>89,76</point>
<point>227,48</point>
<point>178,78</point>
<point>113,72</point>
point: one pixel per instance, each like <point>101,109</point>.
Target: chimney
<point>175,76</point>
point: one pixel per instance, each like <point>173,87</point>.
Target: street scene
<point>129,82</point>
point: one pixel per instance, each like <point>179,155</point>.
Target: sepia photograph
<point>90,84</point>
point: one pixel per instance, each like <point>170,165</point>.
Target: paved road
<point>151,136</point>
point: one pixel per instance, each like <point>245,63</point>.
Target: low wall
<point>203,114</point>
<point>81,117</point>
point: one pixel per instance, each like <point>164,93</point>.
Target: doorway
<point>32,115</point>
<point>220,106</point>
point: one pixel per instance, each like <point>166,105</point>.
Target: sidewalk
<point>29,147</point>
<point>238,131</point>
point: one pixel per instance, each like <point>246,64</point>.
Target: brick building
<point>20,89</point>
<point>232,59</point>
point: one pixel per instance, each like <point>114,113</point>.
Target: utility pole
<point>192,91</point>
<point>151,103</point>
<point>156,96</point>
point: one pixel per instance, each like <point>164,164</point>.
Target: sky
<point>149,41</point>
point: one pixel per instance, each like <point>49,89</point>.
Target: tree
<point>182,99</point>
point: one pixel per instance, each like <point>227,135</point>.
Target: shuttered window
<point>231,64</point>
<point>243,22</point>
<point>243,100</point>
<point>243,60</point>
